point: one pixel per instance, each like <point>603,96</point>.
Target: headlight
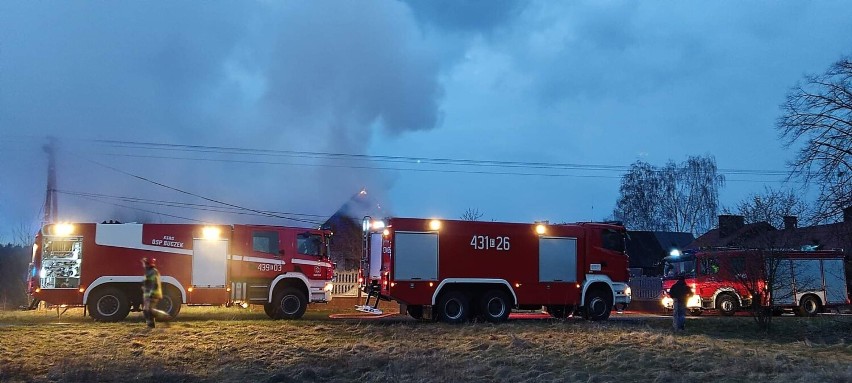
<point>628,291</point>
<point>63,229</point>
<point>667,302</point>
<point>329,286</point>
<point>694,301</point>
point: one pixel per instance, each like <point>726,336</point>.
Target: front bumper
<point>694,302</point>
<point>623,294</point>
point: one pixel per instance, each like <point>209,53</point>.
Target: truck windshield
<point>674,268</point>
<point>613,240</point>
<point>310,244</point>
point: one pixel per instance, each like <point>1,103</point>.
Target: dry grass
<point>231,345</point>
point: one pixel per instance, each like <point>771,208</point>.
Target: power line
<point>399,159</point>
<point>462,171</point>
<point>387,159</point>
<point>272,215</point>
<point>183,205</point>
<point>143,210</point>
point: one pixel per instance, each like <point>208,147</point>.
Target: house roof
<point>763,235</point>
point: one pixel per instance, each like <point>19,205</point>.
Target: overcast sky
<point>584,83</point>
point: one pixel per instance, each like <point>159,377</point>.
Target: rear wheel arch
<point>474,288</point>
<point>290,280</point>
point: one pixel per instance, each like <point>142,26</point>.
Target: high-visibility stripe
<point>257,259</point>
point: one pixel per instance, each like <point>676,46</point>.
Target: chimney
<point>790,222</point>
<point>847,214</point>
<point>729,224</point>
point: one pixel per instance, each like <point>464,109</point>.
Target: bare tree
<point>638,205</point>
<point>818,115</point>
<point>757,271</point>
<point>471,214</point>
<point>771,206</point>
<point>24,234</point>
<point>678,197</point>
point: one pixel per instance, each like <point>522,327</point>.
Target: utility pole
<point>50,202</point>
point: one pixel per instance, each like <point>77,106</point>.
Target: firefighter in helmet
<point>152,291</point>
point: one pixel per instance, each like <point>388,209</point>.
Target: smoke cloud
<point>299,76</point>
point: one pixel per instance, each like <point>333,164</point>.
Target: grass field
<point>233,345</point>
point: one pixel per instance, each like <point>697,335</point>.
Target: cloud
<point>285,76</point>
<point>477,16</point>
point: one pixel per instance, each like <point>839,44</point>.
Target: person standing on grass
<point>679,292</point>
<point>152,291</point>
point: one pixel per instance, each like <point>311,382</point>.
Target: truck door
<point>557,259</point>
<point>375,257</point>
<point>782,290</point>
<point>835,280</point>
<point>415,256</point>
<point>209,262</point>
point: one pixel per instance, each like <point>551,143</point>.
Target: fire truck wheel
<point>727,304</point>
<point>809,306</point>
<point>598,304</point>
<point>453,307</point>
<point>415,312</point>
<point>289,303</point>
<point>494,306</point>
<point>108,304</point>
<point>170,304</point>
<point>269,309</point>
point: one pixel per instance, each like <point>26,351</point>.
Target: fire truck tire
<point>727,304</point>
<point>453,307</point>
<point>598,304</point>
<point>809,306</point>
<point>269,309</point>
<point>415,312</point>
<point>108,304</point>
<point>494,306</point>
<point>170,304</point>
<point>289,303</point>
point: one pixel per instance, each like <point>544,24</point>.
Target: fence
<point>646,288</point>
<point>345,284</point>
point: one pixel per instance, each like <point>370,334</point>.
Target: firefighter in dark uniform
<point>152,291</point>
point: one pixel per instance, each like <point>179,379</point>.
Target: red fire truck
<point>98,266</point>
<point>454,271</point>
<point>724,279</point>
